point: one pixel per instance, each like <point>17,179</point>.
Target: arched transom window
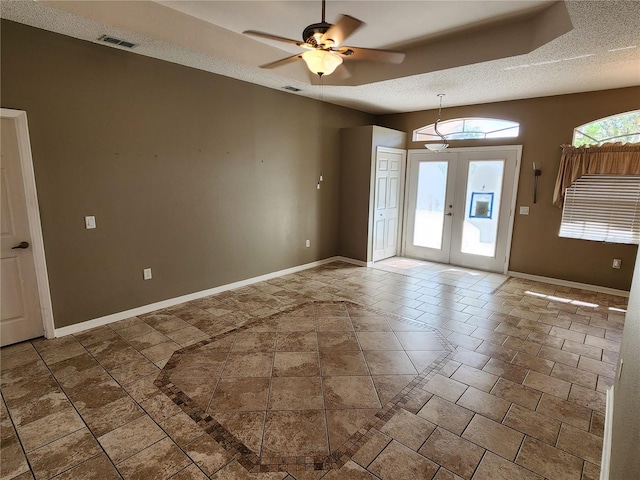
<point>468,128</point>
<point>624,127</point>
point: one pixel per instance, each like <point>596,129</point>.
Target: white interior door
<point>388,190</point>
<point>20,313</point>
<point>460,206</point>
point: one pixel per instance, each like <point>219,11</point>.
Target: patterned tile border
<point>255,464</point>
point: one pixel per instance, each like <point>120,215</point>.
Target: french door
<point>460,206</point>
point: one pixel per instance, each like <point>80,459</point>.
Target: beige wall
<point>205,179</point>
<point>625,440</point>
<point>545,124</point>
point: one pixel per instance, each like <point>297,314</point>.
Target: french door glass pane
<point>430,204</point>
<point>482,207</point>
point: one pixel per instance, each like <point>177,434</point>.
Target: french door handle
<point>449,214</point>
<point>21,245</point>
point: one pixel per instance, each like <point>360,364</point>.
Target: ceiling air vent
<point>292,89</point>
<point>117,41</point>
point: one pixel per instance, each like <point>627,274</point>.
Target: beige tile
<point>39,407</point>
<point>386,362</point>
<point>397,461</point>
<point>475,378</point>
<point>446,388</point>
<point>160,351</point>
<point>192,472</point>
<point>505,370</point>
<point>113,415</point>
<point>588,398</point>
<point>338,341</point>
<point>575,375</point>
<point>473,359</point>
<point>446,414</point>
<point>375,442</point>
<point>350,392</point>
<point>533,424</point>
<point>499,352</point>
<point>567,412</point>
<point>597,424</point>
<point>408,429</point>
<point>532,348</point>
<point>129,439</point>
<point>582,349</point>
<point>423,341</point>
<point>235,471</point>
<point>207,454</point>
<point>297,341</point>
<point>301,432</point>
<point>598,367</point>
<point>73,365</point>
<point>133,371</point>
<point>49,428</point>
<point>452,452</point>
<point>547,384</point>
<point>296,393</point>
<point>240,394</point>
<point>548,461</point>
<point>493,467</point>
<point>516,393</point>
<point>495,437</point>
<point>243,365</point>
<point>96,468</point>
<point>559,356</point>
<point>590,472</point>
<point>12,461</point>
<point>181,428</point>
<point>533,363</point>
<point>486,404</point>
<point>339,362</point>
<point>388,386</point>
<point>349,471</point>
<point>424,359</point>
<point>378,341</point>
<point>63,454</point>
<point>160,460</point>
<point>341,424</point>
<point>580,443</point>
<point>444,474</point>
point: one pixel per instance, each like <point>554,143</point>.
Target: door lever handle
<point>21,245</point>
<point>449,214</point>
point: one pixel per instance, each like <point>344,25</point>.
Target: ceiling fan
<point>323,44</point>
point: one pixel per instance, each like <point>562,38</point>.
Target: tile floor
<point>313,375</point>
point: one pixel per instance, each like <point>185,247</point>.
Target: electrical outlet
<point>307,243</point>
<point>617,263</point>
<point>146,274</point>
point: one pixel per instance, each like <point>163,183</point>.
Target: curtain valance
<point>607,159</point>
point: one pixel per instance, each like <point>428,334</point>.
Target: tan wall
<point>359,145</point>
<point>625,440</point>
<point>545,124</point>
<point>205,179</point>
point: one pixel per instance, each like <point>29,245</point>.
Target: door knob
<point>21,245</point>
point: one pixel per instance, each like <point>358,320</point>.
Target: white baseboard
<point>115,317</point>
<point>567,283</point>
<point>353,261</point>
<point>606,444</point>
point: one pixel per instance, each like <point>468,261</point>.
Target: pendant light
<point>438,147</point>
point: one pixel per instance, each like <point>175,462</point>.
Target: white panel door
<point>388,190</point>
<point>20,315</point>
<point>460,206</point>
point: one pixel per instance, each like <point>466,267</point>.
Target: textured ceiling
<point>473,51</point>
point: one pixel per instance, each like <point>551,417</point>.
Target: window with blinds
<point>603,208</point>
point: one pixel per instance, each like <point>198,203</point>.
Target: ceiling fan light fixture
<point>322,62</point>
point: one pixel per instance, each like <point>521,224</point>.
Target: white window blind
<point>604,208</point>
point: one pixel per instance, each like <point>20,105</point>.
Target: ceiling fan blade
<point>273,37</point>
<point>339,31</point>
<point>283,61</point>
<point>374,55</point>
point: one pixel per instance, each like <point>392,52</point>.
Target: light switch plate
<point>89,222</point>
<point>524,210</point>
<point>146,274</point>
